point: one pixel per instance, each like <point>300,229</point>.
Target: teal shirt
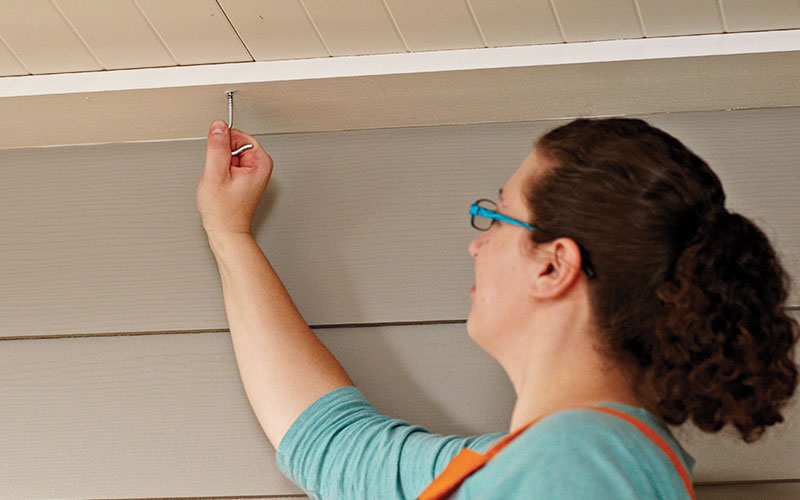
<point>342,448</point>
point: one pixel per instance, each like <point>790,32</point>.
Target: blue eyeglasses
<point>484,212</point>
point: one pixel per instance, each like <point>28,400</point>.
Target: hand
<point>231,186</point>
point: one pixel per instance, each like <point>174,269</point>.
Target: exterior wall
<point>119,379</point>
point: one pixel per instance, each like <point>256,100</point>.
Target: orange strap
<point>468,461</point>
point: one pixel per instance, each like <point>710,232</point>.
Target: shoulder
<point>584,453</point>
<point>578,427</point>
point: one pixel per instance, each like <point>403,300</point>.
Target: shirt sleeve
<point>341,447</point>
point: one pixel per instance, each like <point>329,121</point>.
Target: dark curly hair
<point>688,297</point>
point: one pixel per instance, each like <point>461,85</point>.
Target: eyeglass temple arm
<point>483,212</point>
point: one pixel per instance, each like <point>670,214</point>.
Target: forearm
<point>284,367</point>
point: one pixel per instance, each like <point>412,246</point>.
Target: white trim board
<point>395,64</point>
<point>618,77</point>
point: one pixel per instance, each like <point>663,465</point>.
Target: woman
<point>611,284</point>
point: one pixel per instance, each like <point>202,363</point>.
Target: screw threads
<point>230,109</point>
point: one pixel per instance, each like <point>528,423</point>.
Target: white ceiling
<point>59,36</point>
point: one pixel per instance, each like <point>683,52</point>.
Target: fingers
<point>218,150</point>
<point>239,139</point>
<point>230,187</point>
<point>255,157</point>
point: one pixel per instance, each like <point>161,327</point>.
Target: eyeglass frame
<point>493,215</point>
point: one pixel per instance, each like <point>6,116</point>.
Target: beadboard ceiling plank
<point>118,33</point>
<point>42,39</point>
<point>196,31</point>
<point>598,20</point>
<point>9,64</point>
<point>680,17</point>
<point>517,22</point>
<point>164,416</point>
<point>106,239</point>
<point>274,29</point>
<point>355,27</point>
<point>425,25</point>
<point>746,15</point>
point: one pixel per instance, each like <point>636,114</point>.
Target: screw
<point>230,109</point>
<point>230,124</point>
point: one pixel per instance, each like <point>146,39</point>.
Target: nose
<point>476,244</point>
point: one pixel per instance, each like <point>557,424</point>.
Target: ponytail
<point>725,343</point>
<point>689,299</point>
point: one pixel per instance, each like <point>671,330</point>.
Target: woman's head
<point>530,309</point>
<point>688,299</point>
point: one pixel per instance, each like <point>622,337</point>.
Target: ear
<point>555,269</point>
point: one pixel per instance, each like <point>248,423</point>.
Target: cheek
<point>495,301</point>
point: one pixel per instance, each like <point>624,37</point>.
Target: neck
<point>538,396</point>
<point>561,368</point>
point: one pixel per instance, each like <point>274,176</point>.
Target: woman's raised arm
<point>284,367</point>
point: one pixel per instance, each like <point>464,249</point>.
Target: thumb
<point>218,150</point>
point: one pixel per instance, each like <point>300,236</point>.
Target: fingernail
<point>218,127</point>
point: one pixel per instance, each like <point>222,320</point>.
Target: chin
<point>472,329</point>
<point>481,335</point>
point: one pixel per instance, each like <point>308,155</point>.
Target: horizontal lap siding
<point>363,227</point>
<point>759,491</point>
<point>155,416</point>
<point>766,491</point>
<point>330,100</point>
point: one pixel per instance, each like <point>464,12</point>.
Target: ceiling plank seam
<point>239,36</point>
<point>15,55</point>
<point>639,17</point>
<point>77,33</point>
<point>394,23</point>
<point>558,21</point>
<point>722,16</point>
<point>155,32</point>
<point>316,29</point>
<point>476,23</point>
